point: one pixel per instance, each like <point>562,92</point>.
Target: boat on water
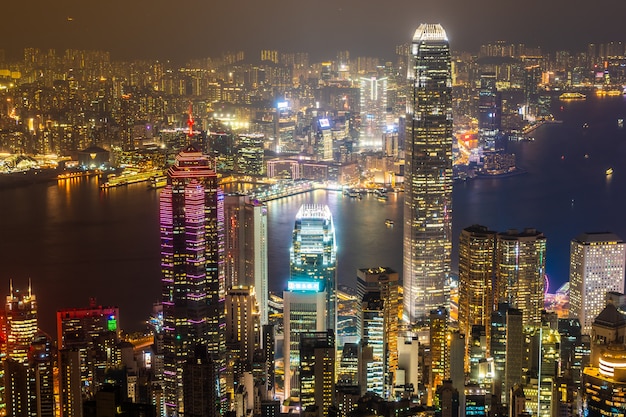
<point>620,123</point>
<point>158,181</point>
<point>609,171</point>
<point>389,223</point>
<point>572,96</point>
<point>383,197</point>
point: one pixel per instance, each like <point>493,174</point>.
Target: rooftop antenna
<point>30,292</point>
<point>11,286</point>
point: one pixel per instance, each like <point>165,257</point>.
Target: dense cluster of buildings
<point>218,337</point>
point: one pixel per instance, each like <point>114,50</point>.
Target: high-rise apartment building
<point>477,251</point>
<point>597,266</point>
<point>192,248</point>
<point>313,254</point>
<point>520,271</point>
<point>428,184</point>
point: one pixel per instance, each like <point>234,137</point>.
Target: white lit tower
<point>597,266</point>
<point>192,253</point>
<point>428,184</point>
<point>314,253</point>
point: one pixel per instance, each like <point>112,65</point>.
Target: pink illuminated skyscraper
<point>192,248</point>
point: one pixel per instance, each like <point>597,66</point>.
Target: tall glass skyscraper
<point>314,253</point>
<point>192,249</point>
<point>428,181</point>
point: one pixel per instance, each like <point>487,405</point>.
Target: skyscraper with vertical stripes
<point>192,236</point>
<point>428,180</point>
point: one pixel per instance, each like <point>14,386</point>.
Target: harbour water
<point>75,241</point>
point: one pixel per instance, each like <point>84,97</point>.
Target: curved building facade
<point>313,254</point>
<point>428,181</point>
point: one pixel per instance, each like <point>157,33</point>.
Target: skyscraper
<point>428,184</point>
<point>439,347</point>
<point>314,253</point>
<point>93,332</point>
<point>304,311</point>
<point>489,111</point>
<point>41,369</point>
<point>597,266</point>
<point>317,371</point>
<point>382,284</point>
<point>21,317</point>
<point>246,247</point>
<point>477,251</point>
<point>520,271</point>
<point>192,236</point>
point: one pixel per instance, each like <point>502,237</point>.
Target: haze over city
<point>313,209</point>
<point>160,29</point>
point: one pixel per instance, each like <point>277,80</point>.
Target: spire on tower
<point>190,120</point>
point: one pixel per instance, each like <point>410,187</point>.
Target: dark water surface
<point>75,241</point>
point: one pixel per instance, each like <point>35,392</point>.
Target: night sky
<point>179,30</point>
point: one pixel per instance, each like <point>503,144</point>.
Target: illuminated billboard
<point>308,286</point>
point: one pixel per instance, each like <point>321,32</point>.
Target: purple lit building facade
<point>192,252</point>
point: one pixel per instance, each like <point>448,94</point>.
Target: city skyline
<point>209,349</point>
<point>145,30</point>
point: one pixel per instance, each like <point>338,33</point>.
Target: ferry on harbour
<point>572,96</point>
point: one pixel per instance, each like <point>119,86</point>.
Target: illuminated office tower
<point>317,372</point>
<point>21,319</point>
<point>489,111</point>
<point>373,337</point>
<point>255,254</point>
<point>41,384</point>
<point>428,184</point>
<point>70,376</point>
<point>246,244</point>
<point>304,311</point>
<point>192,250</point>
<point>383,283</point>
<point>520,272</point>
<point>29,386</point>
<point>250,151</point>
<point>439,347</point>
<point>94,333</point>
<point>373,103</point>
<point>324,140</point>
<point>597,266</point>
<point>544,365</point>
<point>477,250</point>
<point>313,254</point>
<point>242,334</point>
<point>242,322</point>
